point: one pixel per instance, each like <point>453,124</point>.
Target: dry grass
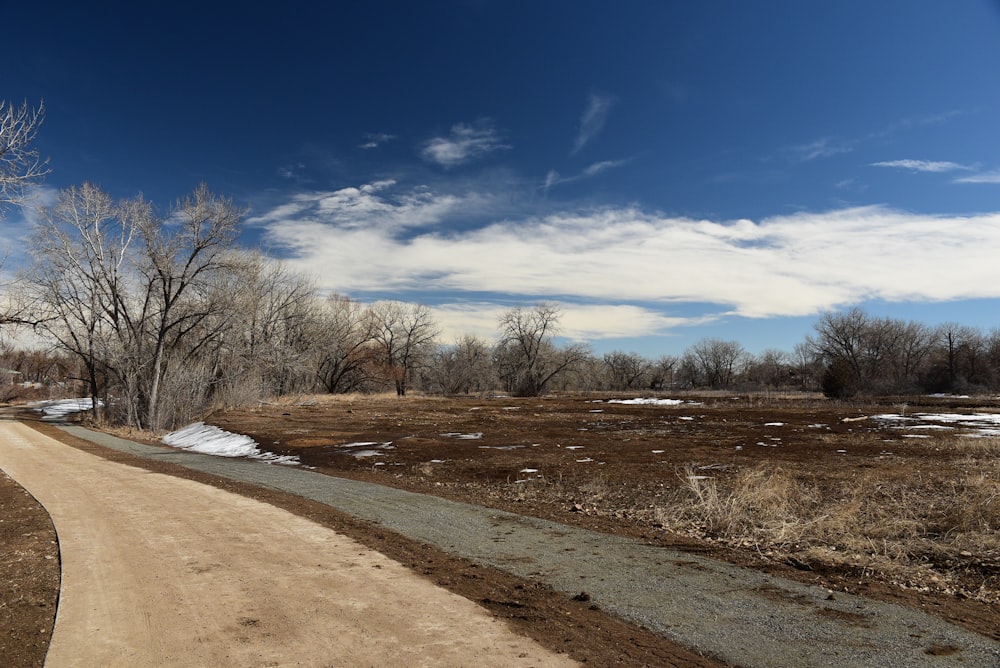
<point>900,527</point>
<point>919,530</point>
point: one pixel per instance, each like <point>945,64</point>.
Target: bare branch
<point>20,165</point>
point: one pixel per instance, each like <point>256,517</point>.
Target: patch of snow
<point>500,447</point>
<point>465,437</point>
<point>528,471</point>
<point>658,452</point>
<point>985,423</point>
<point>648,401</point>
<point>685,417</point>
<point>574,447</point>
<point>210,440</point>
<point>774,424</point>
<point>584,460</point>
<point>60,408</point>
<point>364,449</point>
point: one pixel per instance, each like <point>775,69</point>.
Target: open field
<point>895,500</point>
<point>872,498</point>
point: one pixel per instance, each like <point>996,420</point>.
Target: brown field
<point>812,488</point>
<point>797,485</point>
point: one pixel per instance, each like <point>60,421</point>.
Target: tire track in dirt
<point>739,615</point>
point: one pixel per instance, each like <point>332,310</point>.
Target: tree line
<point>160,316</point>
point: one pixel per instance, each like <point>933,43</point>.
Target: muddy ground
<point>606,466</point>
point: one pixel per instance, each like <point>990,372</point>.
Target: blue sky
<point>666,171</point>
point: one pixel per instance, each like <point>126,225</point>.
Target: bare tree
<point>344,343</point>
<point>404,336</point>
<point>526,358</point>
<point>716,361</point>
<point>770,369</point>
<point>124,289</point>
<point>662,372</point>
<point>626,370</point>
<point>263,341</point>
<point>462,368</point>
<point>81,249</point>
<point>179,262</point>
<point>20,165</point>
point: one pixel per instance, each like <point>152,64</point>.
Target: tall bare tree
<point>125,289</point>
<point>81,249</point>
<point>715,361</point>
<point>181,256</point>
<point>403,335</point>
<point>344,345</point>
<point>526,358</point>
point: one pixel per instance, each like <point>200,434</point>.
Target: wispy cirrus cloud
<point>375,139</point>
<point>593,119</point>
<point>826,147</point>
<point>933,166</point>
<point>792,265</point>
<point>553,177</point>
<point>821,148</point>
<point>373,207</point>
<point>984,177</point>
<point>465,142</point>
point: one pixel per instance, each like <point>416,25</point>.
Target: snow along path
<point>740,615</point>
<point>162,571</point>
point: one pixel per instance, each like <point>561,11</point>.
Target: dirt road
<point>742,616</point>
<point>158,570</point>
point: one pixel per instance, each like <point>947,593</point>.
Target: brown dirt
<point>29,577</point>
<point>576,628</point>
<point>636,454</point>
<point>613,491</point>
<point>142,585</point>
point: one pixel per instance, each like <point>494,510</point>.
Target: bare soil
<point>29,577</point>
<point>619,469</point>
<point>573,627</point>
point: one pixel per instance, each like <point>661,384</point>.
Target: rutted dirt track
<point>159,570</point>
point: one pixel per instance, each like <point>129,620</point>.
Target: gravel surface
<point>738,615</point>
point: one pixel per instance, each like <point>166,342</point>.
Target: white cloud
<point>933,166</point>
<point>372,206</point>
<point>985,177</point>
<point>821,148</point>
<point>593,120</point>
<point>376,139</point>
<point>603,166</point>
<point>578,322</point>
<point>464,143</point>
<point>553,178</point>
<point>791,265</point>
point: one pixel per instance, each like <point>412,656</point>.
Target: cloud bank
<point>377,238</point>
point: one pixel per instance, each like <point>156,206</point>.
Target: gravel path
<point>739,615</point>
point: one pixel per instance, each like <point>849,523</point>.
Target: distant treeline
<point>164,318</point>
